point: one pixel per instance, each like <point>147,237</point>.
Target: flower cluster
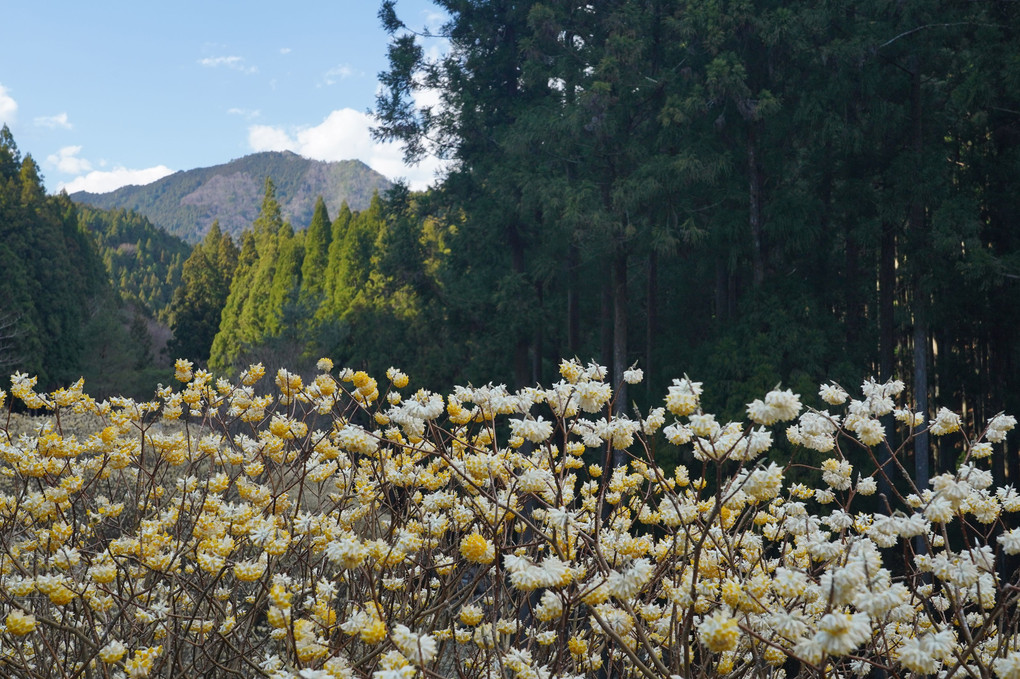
<point>335,526</point>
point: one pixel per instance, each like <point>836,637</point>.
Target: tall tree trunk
<point>521,363</point>
<point>887,343</point>
<point>921,442</point>
<point>539,340</point>
<point>915,224</point>
<point>620,304</point>
<point>855,312</point>
<point>651,317</point>
<point>606,323</point>
<point>886,301</point>
<point>573,306</point>
<point>756,217</point>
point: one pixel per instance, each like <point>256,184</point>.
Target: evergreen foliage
<point>144,262</point>
<point>60,317</point>
<point>264,289</point>
<point>751,192</point>
<point>197,303</point>
<point>318,237</point>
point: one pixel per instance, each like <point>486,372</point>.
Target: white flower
<point>633,375</point>
<point>420,650</point>
<point>308,673</point>
<point>546,638</point>
<point>939,510</point>
<point>840,633</point>
<point>945,422</point>
<point>764,484</point>
<point>870,431</point>
<point>789,583</point>
<point>1010,541</point>
<point>866,485</point>
<point>998,426</point>
<point>677,434</point>
<point>628,584</point>
<point>915,655</point>
<point>785,404</point>
<point>536,430</point>
<point>1008,667</point>
<point>833,394</point>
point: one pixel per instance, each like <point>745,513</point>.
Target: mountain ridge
<point>187,202</point>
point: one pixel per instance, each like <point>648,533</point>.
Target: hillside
<point>186,203</point>
<point>144,262</point>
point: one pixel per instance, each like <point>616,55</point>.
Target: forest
<point>750,193</point>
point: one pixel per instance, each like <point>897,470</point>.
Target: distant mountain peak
<point>187,202</point>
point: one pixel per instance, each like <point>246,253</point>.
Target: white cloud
<point>337,73</point>
<point>8,107</point>
<point>427,98</point>
<point>53,122</point>
<point>232,62</point>
<point>434,21</point>
<point>268,138</point>
<point>66,160</point>
<point>248,113</point>
<point>103,182</point>
<point>344,135</point>
<point>285,50</point>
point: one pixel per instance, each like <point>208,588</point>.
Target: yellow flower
<point>112,652</point>
<point>254,373</point>
<point>182,370</point>
<point>719,632</point>
<point>398,378</point>
<point>471,615</point>
<point>249,571</point>
<point>286,428</point>
<point>278,617</point>
<point>20,623</point>
<point>104,572</point>
<point>279,594</point>
<point>578,647</point>
<point>324,614</point>
<point>477,549</point>
<point>140,663</point>
<point>61,595</point>
<point>374,632</point>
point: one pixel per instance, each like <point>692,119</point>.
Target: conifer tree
<point>198,302</point>
<point>53,282</point>
<point>313,269</point>
<point>286,285</point>
<point>228,342</point>
<point>354,256</point>
<point>257,319</point>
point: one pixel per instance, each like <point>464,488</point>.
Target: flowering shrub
<point>348,528</point>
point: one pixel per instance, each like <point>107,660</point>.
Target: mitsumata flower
<point>333,526</point>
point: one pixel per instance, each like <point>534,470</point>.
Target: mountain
<point>186,203</point>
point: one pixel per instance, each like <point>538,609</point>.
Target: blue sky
<point>104,94</point>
